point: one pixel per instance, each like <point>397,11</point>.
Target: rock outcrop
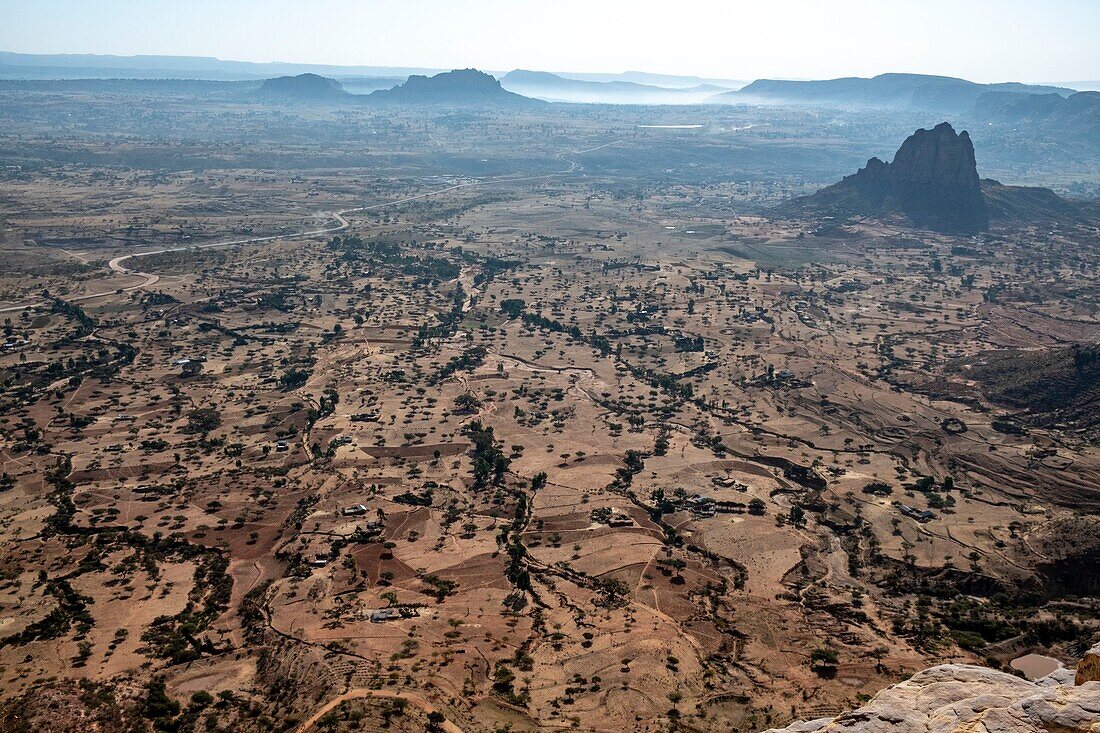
<point>1088,669</point>
<point>954,698</point>
<point>932,183</point>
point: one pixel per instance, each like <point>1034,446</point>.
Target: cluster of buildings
<point>705,506</point>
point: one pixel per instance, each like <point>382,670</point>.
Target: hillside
<point>1034,205</point>
<point>1050,386</point>
<point>302,88</point>
<point>463,87</point>
<point>1075,118</point>
<point>892,91</point>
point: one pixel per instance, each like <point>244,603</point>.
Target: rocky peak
<point>932,183</point>
<point>937,158</point>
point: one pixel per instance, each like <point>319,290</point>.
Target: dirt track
<point>359,693</point>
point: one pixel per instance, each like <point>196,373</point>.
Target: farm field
<point>373,420</point>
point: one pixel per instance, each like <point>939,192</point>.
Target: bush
<point>878,488</point>
<point>203,420</point>
<point>202,698</point>
<point>969,640</point>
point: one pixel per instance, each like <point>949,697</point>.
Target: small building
<point>384,614</point>
<point>354,511</point>
<point>369,532</point>
<point>699,505</point>
<point>618,519</point>
<point>921,515</point>
<point>703,510</point>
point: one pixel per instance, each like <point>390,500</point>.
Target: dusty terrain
<point>525,446</point>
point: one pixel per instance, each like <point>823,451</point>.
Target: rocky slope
<point>956,697</point>
<point>1034,205</point>
<point>1049,386</point>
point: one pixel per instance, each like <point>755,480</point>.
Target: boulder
<point>953,698</point>
<point>1088,669</point>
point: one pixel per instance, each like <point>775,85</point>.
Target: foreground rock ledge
<point>956,697</point>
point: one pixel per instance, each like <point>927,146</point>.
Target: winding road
<point>117,265</point>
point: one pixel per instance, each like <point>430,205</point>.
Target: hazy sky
<point>984,40</point>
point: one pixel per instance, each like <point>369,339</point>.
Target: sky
<point>982,40</point>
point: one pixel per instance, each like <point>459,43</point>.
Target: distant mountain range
<point>462,88</point>
<point>1076,117</point>
<point>668,81</point>
<point>895,91</point>
<point>1053,110</point>
<point>556,88</point>
<point>932,183</point>
<point>95,66</point>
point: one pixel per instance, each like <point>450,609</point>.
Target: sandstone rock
<point>954,698</point>
<point>1088,669</point>
<point>1061,677</point>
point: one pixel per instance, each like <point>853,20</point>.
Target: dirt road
<point>359,693</point>
<point>116,264</point>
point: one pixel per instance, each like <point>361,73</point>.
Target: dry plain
<point>550,451</point>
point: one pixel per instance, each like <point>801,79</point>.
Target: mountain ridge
<point>555,87</point>
<point>892,90</point>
